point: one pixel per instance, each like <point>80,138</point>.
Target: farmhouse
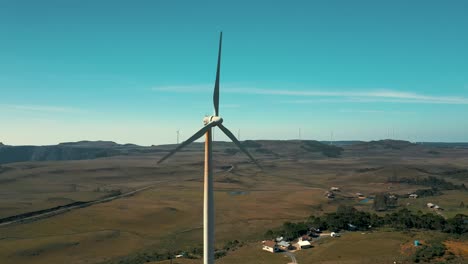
<point>284,245</point>
<point>270,246</point>
<point>303,244</point>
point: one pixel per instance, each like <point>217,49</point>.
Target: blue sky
<point>136,71</point>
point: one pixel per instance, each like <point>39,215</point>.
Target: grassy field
<point>350,248</point>
<point>169,216</point>
<point>357,247</point>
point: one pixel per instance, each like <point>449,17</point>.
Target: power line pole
<point>178,134</point>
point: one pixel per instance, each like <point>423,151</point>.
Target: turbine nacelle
<point>212,119</point>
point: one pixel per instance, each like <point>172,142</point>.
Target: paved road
<point>63,210</point>
<point>291,255</point>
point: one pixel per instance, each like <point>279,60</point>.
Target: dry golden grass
<point>459,248</point>
<point>170,214</point>
<point>355,247</point>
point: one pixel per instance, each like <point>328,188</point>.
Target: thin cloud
<point>370,111</point>
<point>41,108</point>
<point>361,111</point>
<point>378,95</point>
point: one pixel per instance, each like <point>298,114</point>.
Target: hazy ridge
<point>82,150</point>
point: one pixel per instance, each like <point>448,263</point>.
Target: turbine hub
<point>210,119</point>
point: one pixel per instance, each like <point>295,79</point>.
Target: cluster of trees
<point>152,255</point>
<point>433,191</point>
<point>428,251</point>
<point>193,253</point>
<point>289,231</point>
<point>346,217</point>
<point>327,150</point>
<point>434,182</point>
<point>229,246</point>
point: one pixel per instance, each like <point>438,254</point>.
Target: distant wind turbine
<point>208,201</point>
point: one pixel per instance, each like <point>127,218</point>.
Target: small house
<point>270,246</point>
<point>334,189</point>
<point>303,244</point>
<point>305,238</point>
<point>284,245</point>
<point>430,205</point>
<point>413,196</point>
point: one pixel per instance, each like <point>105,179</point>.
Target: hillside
<point>295,149</point>
<point>64,151</point>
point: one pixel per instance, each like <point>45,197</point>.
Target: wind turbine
<point>208,201</point>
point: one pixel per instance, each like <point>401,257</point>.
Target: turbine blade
<point>216,88</point>
<point>195,136</point>
<point>239,145</point>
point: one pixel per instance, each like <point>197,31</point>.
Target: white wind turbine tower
<point>208,201</point>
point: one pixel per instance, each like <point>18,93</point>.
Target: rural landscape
<point>302,184</point>
<point>233,132</point>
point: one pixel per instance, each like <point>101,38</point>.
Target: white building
<point>284,245</point>
<point>303,244</point>
<point>270,246</point>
